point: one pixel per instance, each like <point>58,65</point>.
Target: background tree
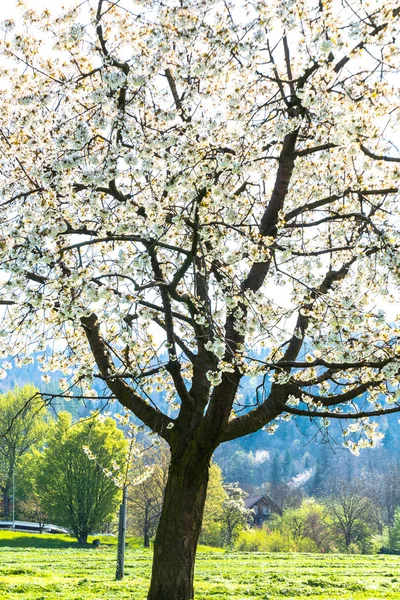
<point>81,494</point>
<point>234,513</point>
<point>388,491</point>
<point>224,177</point>
<point>394,533</point>
<point>31,505</point>
<point>22,425</point>
<point>308,521</point>
<point>213,518</point>
<point>287,465</point>
<point>145,498</point>
<point>353,515</point>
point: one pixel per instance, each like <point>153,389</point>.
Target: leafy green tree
<point>31,505</point>
<point>214,508</point>
<point>22,424</point>
<point>308,521</point>
<point>81,494</point>
<point>394,533</point>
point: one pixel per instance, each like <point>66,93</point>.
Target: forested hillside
<point>299,452</point>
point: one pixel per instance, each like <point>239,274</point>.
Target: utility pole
<point>121,535</point>
<point>13,500</point>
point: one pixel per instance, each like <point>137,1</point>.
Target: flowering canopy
<point>224,173</point>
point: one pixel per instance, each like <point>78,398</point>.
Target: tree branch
<point>312,150</point>
<point>334,415</point>
<point>150,416</point>
<point>323,201</point>
<point>378,156</point>
<point>268,225</point>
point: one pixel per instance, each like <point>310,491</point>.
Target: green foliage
<point>30,501</point>
<point>278,540</point>
<point>394,533</point>
<point>81,494</point>
<point>211,533</point>
<point>262,540</point>
<point>22,424</point>
<point>308,522</point>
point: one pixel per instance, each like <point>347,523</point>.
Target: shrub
<point>306,544</point>
<point>262,540</point>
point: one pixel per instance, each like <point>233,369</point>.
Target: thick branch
<point>269,221</point>
<point>334,415</point>
<point>125,238</point>
<point>312,150</point>
<point>152,417</point>
<point>258,417</point>
<point>378,156</point>
<point>174,366</point>
<point>339,398</point>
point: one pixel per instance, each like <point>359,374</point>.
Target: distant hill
<point>298,448</point>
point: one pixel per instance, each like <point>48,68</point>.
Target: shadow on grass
<point>12,539</point>
<point>15,540</point>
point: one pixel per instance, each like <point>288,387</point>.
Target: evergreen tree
<point>287,465</point>
<point>275,477</point>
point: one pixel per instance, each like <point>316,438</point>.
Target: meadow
<point>50,567</point>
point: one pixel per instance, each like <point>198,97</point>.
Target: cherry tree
<point>186,182</point>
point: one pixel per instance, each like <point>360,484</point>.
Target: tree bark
<point>146,537</point>
<point>82,538</point>
<point>180,524</point>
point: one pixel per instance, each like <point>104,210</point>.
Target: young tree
<point>212,526</point>
<point>22,425</point>
<point>80,494</point>
<point>308,521</point>
<point>221,172</point>
<point>145,498</point>
<point>234,513</point>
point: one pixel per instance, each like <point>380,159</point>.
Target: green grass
<point>34,567</point>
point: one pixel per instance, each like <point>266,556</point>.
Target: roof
<point>264,499</point>
<point>252,501</point>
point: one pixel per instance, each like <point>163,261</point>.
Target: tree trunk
<point>179,528</point>
<point>146,537</point>
<point>82,538</point>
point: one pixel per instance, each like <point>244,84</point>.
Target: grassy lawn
<point>50,567</point>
